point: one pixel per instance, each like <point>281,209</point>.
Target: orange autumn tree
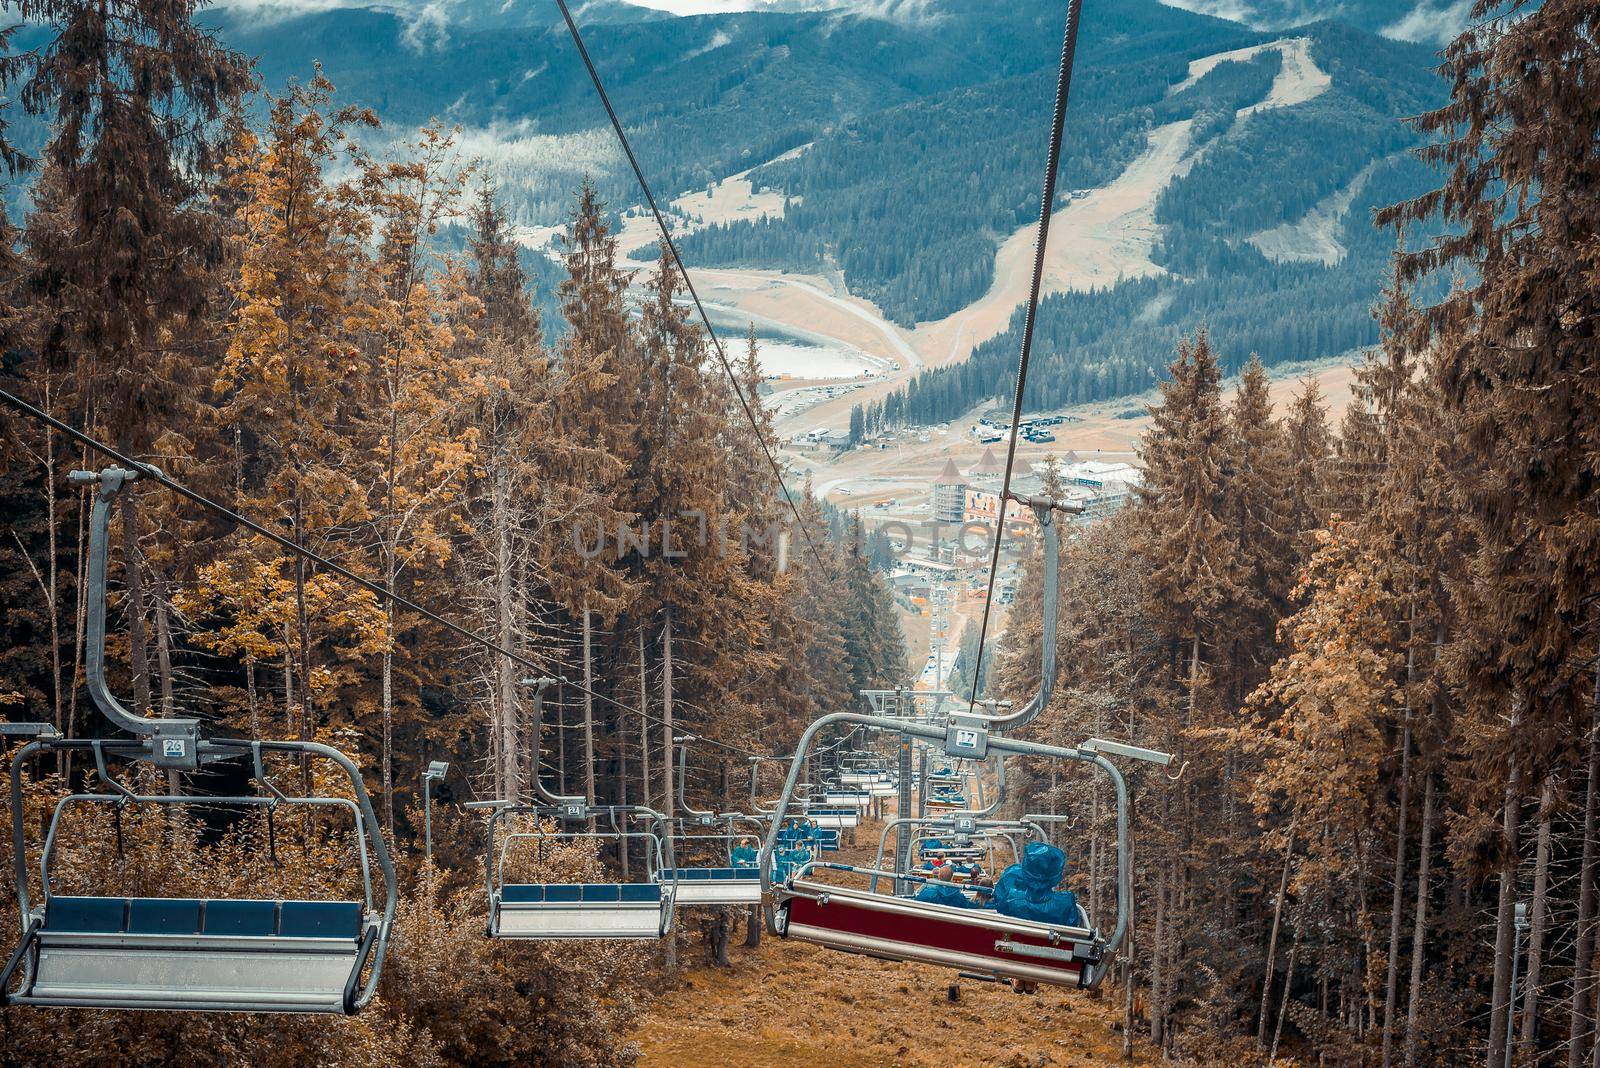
<point>416,450</point>
<point>286,384</point>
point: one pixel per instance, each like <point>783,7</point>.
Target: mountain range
<point>904,140</point>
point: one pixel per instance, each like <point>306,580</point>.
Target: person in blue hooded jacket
<point>1028,890</point>
<point>943,891</point>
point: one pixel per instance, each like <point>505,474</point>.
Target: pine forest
<point>523,514</point>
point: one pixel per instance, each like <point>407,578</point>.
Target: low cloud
<point>273,10</point>
<point>1427,24</point>
<point>1232,10</point>
<point>900,10</point>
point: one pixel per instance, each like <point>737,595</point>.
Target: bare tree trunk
<point>1538,914</point>
<point>1277,925</point>
<point>1505,928</point>
<point>163,645</point>
<point>1127,998</point>
<point>79,616</point>
<point>250,696</point>
<point>588,709</point>
<point>666,758</point>
<point>1397,901</point>
<point>302,616</point>
<point>644,728</point>
<point>53,571</point>
<point>388,697</point>
<point>1419,928</point>
<point>133,580</point>
<point>508,783</point>
<point>1158,964</point>
<point>561,736</point>
<point>752,928</point>
<point>619,739</point>
<point>666,714</point>
<point>1581,1022</point>
<point>288,681</point>
<point>1288,985</point>
<point>718,935</point>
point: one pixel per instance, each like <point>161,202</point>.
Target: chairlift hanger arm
<point>702,815</point>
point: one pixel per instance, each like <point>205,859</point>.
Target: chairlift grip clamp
<point>966,737</point>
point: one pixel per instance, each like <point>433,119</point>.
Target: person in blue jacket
<point>943,891</point>
<point>744,854</point>
<point>1028,890</point>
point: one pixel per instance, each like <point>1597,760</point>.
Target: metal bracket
<point>43,731</point>
<point>967,737</point>
<point>1130,752</point>
<point>175,743</point>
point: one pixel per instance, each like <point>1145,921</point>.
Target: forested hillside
<point>1273,167</point>
<point>1375,647</point>
<point>923,138</point>
<point>908,201</point>
<point>343,346</point>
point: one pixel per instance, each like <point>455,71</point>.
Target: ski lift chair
<point>621,910</point>
<point>601,910</point>
<point>948,802</point>
<point>841,797</point>
<point>194,954</point>
<point>835,820</point>
<point>957,841</point>
<point>970,940</point>
<point>719,884</point>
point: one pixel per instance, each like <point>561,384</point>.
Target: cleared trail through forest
<point>792,1005</point>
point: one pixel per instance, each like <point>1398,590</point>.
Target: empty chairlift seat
<point>859,800</point>
<point>220,955</point>
<point>581,910</point>
<point>835,818</point>
<point>715,886</point>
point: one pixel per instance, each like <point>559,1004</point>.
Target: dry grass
<point>794,1005</point>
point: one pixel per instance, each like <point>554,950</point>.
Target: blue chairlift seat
<point>740,885</point>
<point>580,910</point>
<point>225,955</point>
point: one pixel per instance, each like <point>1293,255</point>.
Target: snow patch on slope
<point>1314,238</point>
<point>1297,81</point>
<point>900,10</point>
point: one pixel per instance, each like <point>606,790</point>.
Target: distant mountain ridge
<point>926,121</point>
<point>1420,21</point>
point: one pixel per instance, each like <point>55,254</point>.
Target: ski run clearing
<point>793,1005</point>
<point>1108,234</point>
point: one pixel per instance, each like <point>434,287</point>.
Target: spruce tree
<point>133,91</point>
<point>1521,204</point>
